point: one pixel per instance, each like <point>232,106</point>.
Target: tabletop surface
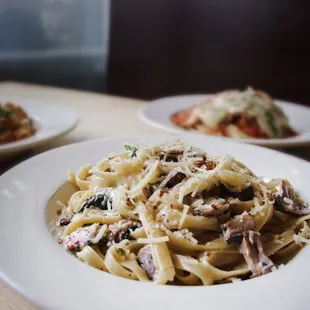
<point>100,116</point>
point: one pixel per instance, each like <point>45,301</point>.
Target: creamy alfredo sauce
<point>63,195</point>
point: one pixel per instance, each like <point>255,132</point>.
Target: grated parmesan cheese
<point>257,207</point>
<point>183,216</point>
<point>185,234</point>
<point>251,236</point>
<point>148,177</point>
<point>303,236</point>
<point>153,240</point>
<point>299,240</point>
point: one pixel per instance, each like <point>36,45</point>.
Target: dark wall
<point>164,47</point>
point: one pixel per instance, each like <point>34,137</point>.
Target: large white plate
<point>158,112</point>
<point>35,265</point>
<point>51,121</point>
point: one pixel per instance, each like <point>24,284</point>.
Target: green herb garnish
<point>271,122</point>
<point>279,111</point>
<point>131,148</point>
<point>5,112</point>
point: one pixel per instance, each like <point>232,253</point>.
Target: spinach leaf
<point>102,201</point>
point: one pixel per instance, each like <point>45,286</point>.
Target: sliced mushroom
<point>286,202</point>
<point>215,191</point>
<point>223,218</point>
<point>188,199</point>
<point>148,191</point>
<point>145,259</point>
<point>252,250</point>
<point>234,229</point>
<point>176,179</point>
<point>117,232</point>
<point>121,230</point>
<point>211,207</point>
<point>171,155</point>
<point>244,195</point>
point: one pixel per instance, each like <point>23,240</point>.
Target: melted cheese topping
<point>259,105</point>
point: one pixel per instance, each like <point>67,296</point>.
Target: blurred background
<point>154,48</point>
<point>55,42</point>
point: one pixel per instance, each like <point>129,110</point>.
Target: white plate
<point>37,266</point>
<point>51,121</point>
<point>158,112</point>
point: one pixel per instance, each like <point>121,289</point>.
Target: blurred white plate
<point>158,112</point>
<point>35,265</point>
<point>51,121</point>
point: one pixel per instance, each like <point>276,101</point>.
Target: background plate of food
<point>159,223</point>
<point>29,123</point>
<point>248,116</point>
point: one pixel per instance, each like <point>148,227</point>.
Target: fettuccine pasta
<point>174,214</point>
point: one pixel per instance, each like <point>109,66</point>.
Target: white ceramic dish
<point>158,112</point>
<point>34,264</point>
<point>51,121</point>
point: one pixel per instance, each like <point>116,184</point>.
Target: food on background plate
<point>15,124</point>
<point>174,214</point>
<point>237,114</point>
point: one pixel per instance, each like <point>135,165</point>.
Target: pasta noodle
<point>173,214</point>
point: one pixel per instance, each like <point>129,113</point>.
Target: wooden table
<point>100,116</point>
